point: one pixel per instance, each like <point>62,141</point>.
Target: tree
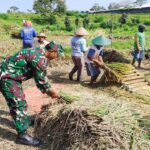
<point>13,9</point>
<point>46,7</point>
<point>114,6</point>
<point>140,2</point>
<point>97,7</point>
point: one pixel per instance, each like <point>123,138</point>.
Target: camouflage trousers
<point>13,93</point>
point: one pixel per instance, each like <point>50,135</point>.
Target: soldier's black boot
<point>24,138</point>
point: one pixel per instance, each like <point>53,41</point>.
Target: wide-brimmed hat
<point>81,31</point>
<point>101,40</point>
<point>42,35</point>
<point>53,45</point>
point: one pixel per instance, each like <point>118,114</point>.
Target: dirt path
<point>59,80</point>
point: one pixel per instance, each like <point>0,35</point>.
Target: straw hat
<point>81,31</point>
<point>42,35</point>
<point>101,40</point>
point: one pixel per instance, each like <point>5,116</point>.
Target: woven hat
<point>42,35</point>
<point>101,40</point>
<point>81,31</point>
<point>53,45</point>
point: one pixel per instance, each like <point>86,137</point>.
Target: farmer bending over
<point>22,66</point>
<point>94,57</point>
<point>139,45</point>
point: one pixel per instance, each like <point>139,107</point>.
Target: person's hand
<point>53,93</point>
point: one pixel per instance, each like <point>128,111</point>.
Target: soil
<point>58,76</point>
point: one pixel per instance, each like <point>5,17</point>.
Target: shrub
<point>4,16</point>
<point>72,13</point>
<point>135,21</point>
<point>86,22</point>
<point>52,19</point>
<point>83,15</point>
<point>77,21</point>
<point>147,23</point>
<point>67,23</point>
<point>99,19</point>
<point>123,19</point>
<point>126,28</point>
<point>94,26</point>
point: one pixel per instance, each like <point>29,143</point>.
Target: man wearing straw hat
<point>42,40</point>
<point>93,58</point>
<point>78,45</point>
<point>27,34</point>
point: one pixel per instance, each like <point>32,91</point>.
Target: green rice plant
<point>68,98</point>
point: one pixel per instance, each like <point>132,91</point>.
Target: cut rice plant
<point>68,98</point>
<point>120,69</point>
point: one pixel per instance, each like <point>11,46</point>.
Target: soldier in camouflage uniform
<point>22,66</point>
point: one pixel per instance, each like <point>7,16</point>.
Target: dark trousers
<point>78,67</point>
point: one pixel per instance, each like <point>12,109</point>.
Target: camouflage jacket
<point>24,65</point>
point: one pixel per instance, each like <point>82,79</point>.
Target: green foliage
<point>86,22</point>
<point>135,21</point>
<point>123,19</point>
<point>126,28</point>
<point>67,23</point>
<point>52,19</point>
<point>98,19</point>
<point>147,22</point>
<point>68,98</point>
<point>67,50</point>
<point>104,25</point>
<point>73,13</point>
<point>4,16</point>
<point>77,21</point>
<point>83,15</point>
<point>94,26</point>
<point>46,7</point>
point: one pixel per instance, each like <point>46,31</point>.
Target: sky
<point>81,5</point>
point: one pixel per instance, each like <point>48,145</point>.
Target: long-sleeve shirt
<point>28,33</point>
<point>78,45</point>
<point>24,65</point>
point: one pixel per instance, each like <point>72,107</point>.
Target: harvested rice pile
<point>118,63</point>
<point>120,69</point>
<point>65,129</point>
<point>115,56</point>
<point>68,127</point>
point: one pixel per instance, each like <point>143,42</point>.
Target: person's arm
<point>34,33</point>
<point>137,42</point>
<point>83,46</point>
<point>42,80</point>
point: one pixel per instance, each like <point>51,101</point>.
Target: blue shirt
<point>28,33</point>
<point>78,45</point>
<point>93,52</point>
